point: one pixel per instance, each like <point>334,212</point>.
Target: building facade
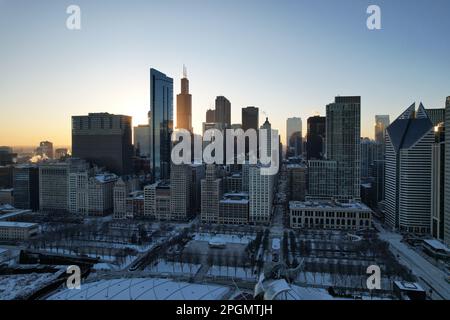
<point>329,215</point>
<point>212,191</point>
<point>343,144</point>
<point>233,209</point>
<point>26,187</point>
<point>161,124</point>
<point>294,138</point>
<point>409,142</point>
<point>261,193</point>
<point>105,140</point>
<point>315,138</point>
<point>184,105</point>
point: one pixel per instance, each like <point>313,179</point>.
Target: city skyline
<point>64,78</point>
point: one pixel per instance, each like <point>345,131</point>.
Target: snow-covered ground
<point>227,238</point>
<point>174,267</point>
<point>142,289</point>
<point>21,285</point>
<point>428,274</point>
<point>328,279</point>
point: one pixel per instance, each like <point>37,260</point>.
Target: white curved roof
<point>142,289</point>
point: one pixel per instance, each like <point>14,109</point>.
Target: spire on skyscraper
<point>184,71</point>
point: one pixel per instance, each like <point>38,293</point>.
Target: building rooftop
<point>437,245</point>
<point>326,204</point>
<point>17,224</point>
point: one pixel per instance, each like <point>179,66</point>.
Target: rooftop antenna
<point>184,71</point>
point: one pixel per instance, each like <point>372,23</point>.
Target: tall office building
<point>26,187</point>
<point>54,183</point>
<point>315,138</point>
<point>141,140</point>
<point>210,116</point>
<point>343,136</point>
<point>105,140</point>
<point>222,112</point>
<point>212,191</point>
<point>322,179</point>
<point>45,149</point>
<point>447,174</point>
<point>438,183</point>
<point>408,171</point>
<point>184,105</point>
<point>268,127</point>
<point>294,140</point>
<point>250,118</point>
<point>369,153</point>
<point>161,124</point>
<point>381,123</point>
<point>261,189</point>
<point>297,181</point>
<point>180,192</point>
<point>436,116</point>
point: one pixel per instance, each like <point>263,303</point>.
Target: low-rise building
<point>12,231</point>
<point>329,215</point>
<point>7,196</point>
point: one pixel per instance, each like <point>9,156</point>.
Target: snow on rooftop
<point>323,204</point>
<point>10,224</point>
<point>436,244</point>
<point>142,289</point>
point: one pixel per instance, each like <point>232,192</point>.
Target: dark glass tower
<point>250,118</point>
<point>161,123</point>
<point>105,140</point>
<point>315,138</point>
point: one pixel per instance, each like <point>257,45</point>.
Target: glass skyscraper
<point>161,123</point>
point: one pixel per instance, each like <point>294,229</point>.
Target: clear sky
<point>289,58</point>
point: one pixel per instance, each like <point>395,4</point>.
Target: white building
<point>211,193</point>
<point>261,190</point>
<point>157,201</point>
<point>54,183</point>
<point>91,194</point>
<point>409,141</point>
<point>122,188</point>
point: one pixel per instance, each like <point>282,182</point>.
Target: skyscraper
<point>184,105</point>
<point>343,144</point>
<point>315,138</point>
<point>369,152</point>
<point>141,140</point>
<point>211,193</point>
<point>161,123</point>
<point>105,140</point>
<point>180,192</point>
<point>54,184</point>
<point>250,118</point>
<point>294,138</point>
<point>408,171</point>
<point>261,189</point>
<point>381,123</point>
<point>26,187</point>
<point>438,183</point>
<point>436,116</point>
<point>222,112</point>
<point>447,173</point>
<point>210,116</point>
